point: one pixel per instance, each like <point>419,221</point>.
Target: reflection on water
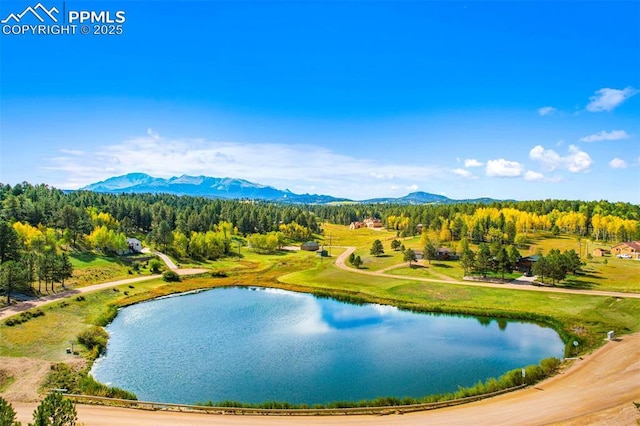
<point>267,344</point>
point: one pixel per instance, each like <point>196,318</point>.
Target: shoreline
<point>598,388</point>
<point>438,398</point>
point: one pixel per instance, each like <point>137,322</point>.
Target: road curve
<point>597,389</point>
<point>341,263</point>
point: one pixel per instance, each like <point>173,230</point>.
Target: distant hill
<point>426,198</point>
<point>205,186</point>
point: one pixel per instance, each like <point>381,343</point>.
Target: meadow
<point>582,318</point>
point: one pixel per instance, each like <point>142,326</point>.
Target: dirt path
<point>23,306</point>
<point>598,389</point>
<point>341,263</point>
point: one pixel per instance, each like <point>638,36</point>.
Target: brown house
<point>373,223</point>
<point>525,264</point>
<point>628,250</point>
<point>600,252</point>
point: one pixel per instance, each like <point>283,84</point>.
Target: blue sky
<point>509,99</point>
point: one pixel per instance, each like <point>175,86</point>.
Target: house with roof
<point>628,250</point>
<point>135,245</point>
<point>600,252</point>
<point>373,223</point>
<point>445,253</point>
<point>525,264</point>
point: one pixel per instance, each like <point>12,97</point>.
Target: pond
<point>257,344</point>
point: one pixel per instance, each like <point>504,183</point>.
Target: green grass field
<point>587,317</point>
<point>91,268</point>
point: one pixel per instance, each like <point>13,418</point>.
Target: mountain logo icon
<point>39,11</point>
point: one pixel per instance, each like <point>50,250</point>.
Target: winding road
<point>599,388</point>
<point>342,259</point>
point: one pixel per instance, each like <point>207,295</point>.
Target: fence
<point>393,409</point>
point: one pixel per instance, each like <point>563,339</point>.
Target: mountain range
<point>205,186</point>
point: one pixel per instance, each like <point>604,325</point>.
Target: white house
<point>135,245</point>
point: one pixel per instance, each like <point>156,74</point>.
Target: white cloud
<point>533,176</point>
<point>575,161</point>
<point>463,173</point>
<point>412,188</point>
<point>472,162</point>
<point>549,159</point>
<point>613,135</point>
<point>607,99</point>
<point>504,168</point>
<point>376,175</point>
<point>548,110</point>
<point>301,168</point>
<point>618,163</point>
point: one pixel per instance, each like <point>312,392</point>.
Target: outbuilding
<point>135,245</point>
<point>310,246</point>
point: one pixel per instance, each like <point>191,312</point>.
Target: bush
<point>155,266</point>
<point>62,376</point>
<point>550,365</point>
<point>24,317</point>
<point>94,339</point>
<point>171,276</point>
<point>89,386</point>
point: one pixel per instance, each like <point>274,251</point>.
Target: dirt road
<point>341,263</point>
<point>23,306</point>
<point>598,389</point>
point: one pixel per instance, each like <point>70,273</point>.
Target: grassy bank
<point>576,317</point>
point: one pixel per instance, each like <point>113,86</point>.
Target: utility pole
<point>329,245</point>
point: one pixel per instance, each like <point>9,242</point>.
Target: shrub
<point>170,276</point>
<point>155,266</point>
<point>24,317</point>
<point>89,386</point>
<point>550,365</point>
<point>62,376</point>
<point>94,339</point>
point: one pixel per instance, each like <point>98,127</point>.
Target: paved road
<point>341,263</point>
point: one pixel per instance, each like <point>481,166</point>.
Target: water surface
<point>256,345</point>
